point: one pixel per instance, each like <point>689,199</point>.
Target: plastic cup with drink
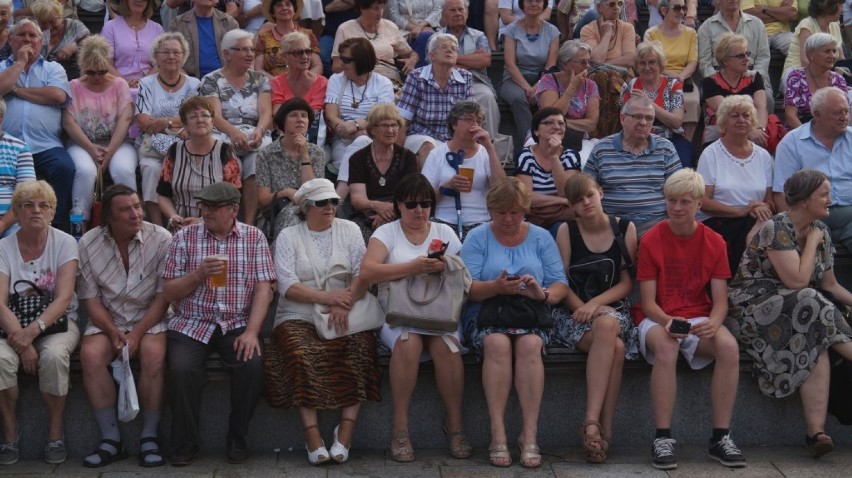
<point>220,279</point>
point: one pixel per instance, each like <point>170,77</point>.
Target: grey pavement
<point>558,463</point>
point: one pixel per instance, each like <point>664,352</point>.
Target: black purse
<point>28,307</point>
<point>515,312</point>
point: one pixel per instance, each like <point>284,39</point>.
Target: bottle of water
<point>77,220</point>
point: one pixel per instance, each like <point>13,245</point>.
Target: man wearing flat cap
<point>218,276</point>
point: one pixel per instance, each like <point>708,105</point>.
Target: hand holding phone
<point>437,249</point>
<point>679,327</point>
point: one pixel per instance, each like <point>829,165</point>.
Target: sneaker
<point>662,453</point>
<point>8,453</point>
<point>725,451</point>
<point>55,452</point>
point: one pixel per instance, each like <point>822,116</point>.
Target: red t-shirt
<point>682,267</point>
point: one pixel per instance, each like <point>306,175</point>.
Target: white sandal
<point>318,456</point>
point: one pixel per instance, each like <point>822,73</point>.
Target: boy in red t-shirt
<point>677,259</point>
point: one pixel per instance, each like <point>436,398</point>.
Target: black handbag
<point>594,274</point>
<point>29,306</point>
<point>515,312</point>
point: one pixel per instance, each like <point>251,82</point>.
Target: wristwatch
<point>41,325</point>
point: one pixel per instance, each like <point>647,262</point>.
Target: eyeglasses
<point>170,52</point>
<point>305,52</point>
<point>199,117</point>
<point>582,62</point>
<point>31,206</point>
<point>648,63</point>
<point>95,72</point>
<point>472,119</point>
<point>678,8</point>
<point>245,50</point>
<point>388,126</point>
<point>325,202</point>
<point>424,204</point>
<point>741,56</point>
<point>618,4</point>
<point>640,118</point>
<point>561,124</point>
<point>212,207</point>
<point>346,59</point>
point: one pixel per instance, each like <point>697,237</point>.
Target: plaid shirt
<point>426,107</point>
<point>249,262</point>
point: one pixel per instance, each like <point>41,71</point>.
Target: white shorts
<point>687,345</point>
<point>414,142</point>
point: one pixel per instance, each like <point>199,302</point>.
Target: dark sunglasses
<point>425,204</point>
<point>95,72</point>
<point>306,52</point>
<point>678,8</point>
<point>326,202</point>
<point>346,59</point>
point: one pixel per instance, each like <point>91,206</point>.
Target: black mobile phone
<point>680,327</point>
<point>438,254</point>
<point>513,277</point>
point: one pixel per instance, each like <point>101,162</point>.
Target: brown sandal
<point>400,448</point>
<point>594,454</point>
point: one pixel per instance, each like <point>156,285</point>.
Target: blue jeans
<point>57,168</point>
<point>326,43</point>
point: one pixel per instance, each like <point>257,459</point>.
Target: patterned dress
<point>784,330</point>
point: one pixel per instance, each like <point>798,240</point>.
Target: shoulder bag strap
<point>309,245</point>
<point>619,239</point>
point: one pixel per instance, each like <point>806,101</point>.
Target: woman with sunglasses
<point>242,104</point>
<point>680,46</point>
<point>189,166</point>
<point>397,250</point>
<point>573,94</point>
<point>478,153</point>
<point>97,122</point>
<point>612,40</point>
<point>285,165</point>
<point>349,97</point>
<point>734,78</point>
<point>282,19</point>
<point>303,370</point>
<point>299,80</point>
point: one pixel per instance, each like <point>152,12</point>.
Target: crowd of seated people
<point>233,121</point>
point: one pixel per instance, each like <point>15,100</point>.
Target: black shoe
<point>184,455</point>
<point>662,452</point>
<point>237,451</point>
<point>725,451</point>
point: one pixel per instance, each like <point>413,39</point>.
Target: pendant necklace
<point>356,104</point>
<point>382,181</point>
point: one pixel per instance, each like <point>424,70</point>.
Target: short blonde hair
<point>508,193</point>
<point>292,39</point>
<point>170,36</point>
<point>95,53</point>
<point>731,103</point>
<point>381,112</point>
<point>44,9</point>
<point>29,190</point>
<point>727,42</point>
<point>684,181</point>
<point>650,48</point>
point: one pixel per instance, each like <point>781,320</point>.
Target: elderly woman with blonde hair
<point>46,258</point>
<point>375,170</point>
<point>97,122</point>
<point>298,79</point>
<point>666,95</point>
<point>738,178</point>
<point>62,36</point>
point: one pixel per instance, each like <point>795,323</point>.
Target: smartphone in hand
<point>680,327</point>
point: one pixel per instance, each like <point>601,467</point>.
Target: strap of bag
<point>99,184</point>
<point>309,245</point>
<point>430,299</point>
<point>619,239</point>
<point>34,287</point>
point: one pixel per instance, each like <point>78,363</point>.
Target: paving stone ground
<point>558,463</point>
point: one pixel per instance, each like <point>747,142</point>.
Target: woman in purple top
<point>130,35</point>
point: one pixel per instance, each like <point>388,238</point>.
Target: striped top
<point>633,183</point>
<point>16,166</point>
<point>126,294</point>
<point>542,179</point>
